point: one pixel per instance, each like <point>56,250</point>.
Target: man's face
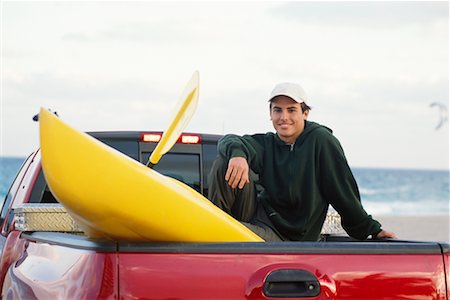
<point>287,118</point>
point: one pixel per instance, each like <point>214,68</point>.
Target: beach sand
<point>420,228</point>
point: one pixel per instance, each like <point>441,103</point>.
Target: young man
<point>302,169</point>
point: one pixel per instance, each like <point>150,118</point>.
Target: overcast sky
<point>371,70</point>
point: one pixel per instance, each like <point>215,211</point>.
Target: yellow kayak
<point>113,196</point>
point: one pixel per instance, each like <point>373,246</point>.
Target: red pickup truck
<point>57,263</point>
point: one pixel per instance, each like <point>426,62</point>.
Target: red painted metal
<point>235,276</point>
<point>46,271</point>
<point>447,272</point>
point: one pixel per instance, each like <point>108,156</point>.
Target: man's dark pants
<point>242,203</point>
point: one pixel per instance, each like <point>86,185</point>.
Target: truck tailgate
<point>322,270</point>
<point>57,265</point>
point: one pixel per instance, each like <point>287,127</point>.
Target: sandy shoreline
<point>422,228</point>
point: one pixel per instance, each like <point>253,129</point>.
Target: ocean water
<point>403,192</point>
<point>9,166</point>
<point>383,191</point>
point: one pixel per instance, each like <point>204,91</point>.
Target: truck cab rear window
<point>181,166</point>
<point>125,146</point>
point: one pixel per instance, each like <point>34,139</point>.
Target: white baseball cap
<point>291,90</point>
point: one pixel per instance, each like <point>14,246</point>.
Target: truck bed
<point>335,268</point>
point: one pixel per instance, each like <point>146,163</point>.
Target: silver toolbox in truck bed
<point>44,217</point>
<point>332,224</point>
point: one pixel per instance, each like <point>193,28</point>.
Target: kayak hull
<point>112,196</point>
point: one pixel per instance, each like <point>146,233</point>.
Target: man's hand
<point>384,234</point>
<point>237,172</point>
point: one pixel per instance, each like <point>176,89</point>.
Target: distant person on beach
<point>302,170</point>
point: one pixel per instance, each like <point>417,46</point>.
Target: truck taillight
<point>151,137</point>
<point>190,139</point>
<point>184,138</point>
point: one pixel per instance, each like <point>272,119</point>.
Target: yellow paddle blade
<point>183,113</point>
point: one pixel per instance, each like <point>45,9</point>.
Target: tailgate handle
<point>291,284</point>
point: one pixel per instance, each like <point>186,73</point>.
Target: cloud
<point>49,85</point>
<point>148,33</point>
<point>77,37</point>
<point>122,65</point>
<point>364,13</point>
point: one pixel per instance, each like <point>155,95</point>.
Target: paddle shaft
<point>184,112</point>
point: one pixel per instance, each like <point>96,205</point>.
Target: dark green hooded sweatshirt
<point>301,180</point>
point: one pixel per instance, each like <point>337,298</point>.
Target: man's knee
<point>240,203</point>
<point>219,166</point>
